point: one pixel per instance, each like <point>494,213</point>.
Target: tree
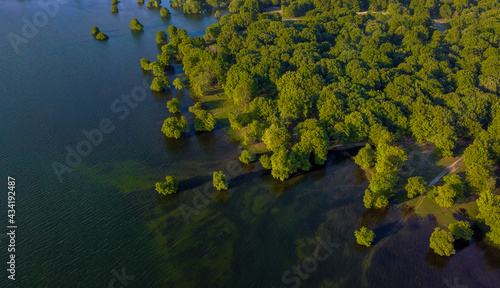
<point>114,9</point>
<point>389,158</point>
<point>461,230</point>
<point>164,12</point>
<point>380,189</point>
<point>161,38</point>
<point>174,105</point>
<point>204,121</point>
<point>173,127</point>
<point>136,25</point>
<point>451,190</point>
<point>154,4</point>
<point>178,84</point>
<point>445,11</point>
<point>95,30</point>
<point>489,211</point>
<point>159,83</point>
<point>145,64</point>
<point>247,157</point>
<point>364,236</point>
<point>276,137</point>
<point>140,2</point>
<point>265,160</point>
<point>101,36</point>
<point>114,2</point>
<point>365,157</point>
<point>280,163</point>
<point>416,186</point>
<point>170,186</point>
<point>220,181</point>
<point>442,242</point>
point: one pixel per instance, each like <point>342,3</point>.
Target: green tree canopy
<point>170,186</point>
<point>178,84</point>
<point>442,242</point>
<point>247,157</point>
<point>416,186</point>
<point>173,127</point>
<point>95,30</point>
<point>220,180</point>
<point>276,137</point>
<point>365,157</point>
<point>136,25</point>
<point>164,12</point>
<point>364,236</point>
<point>174,106</point>
<point>461,230</point>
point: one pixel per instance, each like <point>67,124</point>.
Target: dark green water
<point>105,215</point>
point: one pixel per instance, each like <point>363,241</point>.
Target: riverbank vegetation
<point>339,76</point>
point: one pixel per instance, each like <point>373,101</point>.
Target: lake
<point>102,224</point>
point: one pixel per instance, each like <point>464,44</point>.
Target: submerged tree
<point>170,186</point>
<point>416,186</point>
<point>365,157</point>
<point>95,30</point>
<point>364,236</point>
<point>136,25</point>
<point>220,180</point>
<point>164,12</point>
<point>178,84</point>
<point>442,242</point>
<point>173,127</point>
<point>101,36</point>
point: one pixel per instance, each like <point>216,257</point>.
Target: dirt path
<point>366,263</point>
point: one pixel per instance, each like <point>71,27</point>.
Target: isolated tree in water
<point>174,106</point>
<point>442,242</point>
<point>173,127</point>
<point>364,236</point>
<point>220,181</point>
<point>170,186</point>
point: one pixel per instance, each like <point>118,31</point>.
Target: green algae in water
<point>127,176</point>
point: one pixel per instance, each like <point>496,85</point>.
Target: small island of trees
<point>220,180</point>
<point>98,34</point>
<point>136,25</point>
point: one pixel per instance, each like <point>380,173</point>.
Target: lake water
<point>105,219</point>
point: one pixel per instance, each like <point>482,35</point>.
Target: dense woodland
<point>337,76</point>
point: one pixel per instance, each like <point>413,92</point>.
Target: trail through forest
<point>366,263</point>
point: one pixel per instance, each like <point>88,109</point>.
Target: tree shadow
<point>373,216</point>
<point>436,261</point>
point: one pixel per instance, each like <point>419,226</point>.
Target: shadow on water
<point>436,261</point>
<point>386,230</point>
<point>373,216</point>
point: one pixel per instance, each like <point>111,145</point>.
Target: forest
<point>336,76</point>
